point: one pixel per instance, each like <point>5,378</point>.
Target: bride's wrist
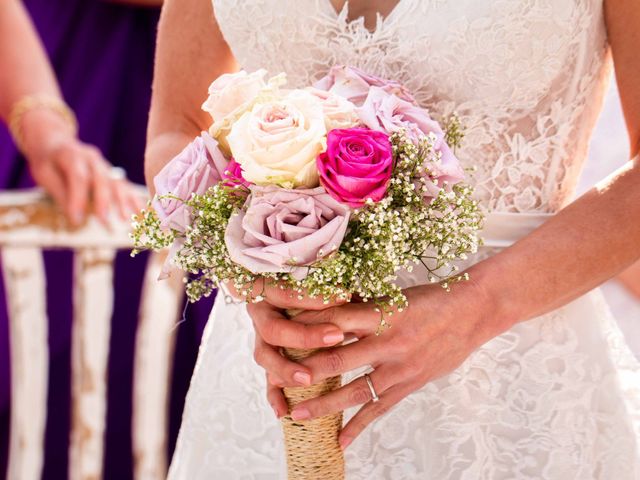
<point>487,307</point>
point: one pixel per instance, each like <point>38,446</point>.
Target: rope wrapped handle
<point>312,447</point>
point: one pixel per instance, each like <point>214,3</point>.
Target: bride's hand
<point>429,339</point>
<point>274,330</point>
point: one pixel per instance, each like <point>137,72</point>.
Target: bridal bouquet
<point>329,190</point>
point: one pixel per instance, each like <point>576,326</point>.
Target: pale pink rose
<point>354,84</point>
<point>194,170</point>
<point>338,111</point>
<point>233,94</point>
<point>231,91</point>
<point>277,142</point>
<point>286,230</point>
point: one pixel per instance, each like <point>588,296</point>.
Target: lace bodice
<point>527,132</point>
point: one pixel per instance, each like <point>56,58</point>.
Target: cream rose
<point>233,94</point>
<point>277,142</point>
<point>338,111</point>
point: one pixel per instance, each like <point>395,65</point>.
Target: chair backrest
<point>29,222</point>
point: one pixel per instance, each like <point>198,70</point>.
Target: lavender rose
<point>354,84</point>
<point>357,165</point>
<point>199,166</point>
<point>388,113</point>
<point>286,230</point>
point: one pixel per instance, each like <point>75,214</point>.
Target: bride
<point>519,373</point>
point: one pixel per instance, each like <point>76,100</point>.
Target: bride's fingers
<point>358,318</point>
<point>290,373</point>
<point>286,298</point>
<point>277,330</point>
<point>338,360</point>
<point>355,393</point>
<point>279,296</point>
<point>276,399</point>
<point>274,379</point>
<point>371,411</point>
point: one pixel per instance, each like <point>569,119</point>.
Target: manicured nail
<point>344,442</point>
<point>77,217</point>
<point>333,338</point>
<point>302,378</point>
<point>300,414</point>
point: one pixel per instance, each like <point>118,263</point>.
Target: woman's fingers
<point>355,393</point>
<point>49,177</point>
<point>338,360</point>
<point>284,372</point>
<point>285,298</point>
<point>358,318</point>
<point>276,399</point>
<point>371,411</point>
<point>76,174</point>
<point>277,330</point>
<point>101,192</point>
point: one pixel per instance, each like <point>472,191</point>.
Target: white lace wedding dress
<point>553,397</point>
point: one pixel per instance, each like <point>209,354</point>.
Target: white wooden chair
<point>29,222</point>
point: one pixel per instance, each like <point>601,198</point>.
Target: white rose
<point>233,94</point>
<point>277,142</point>
<point>338,111</point>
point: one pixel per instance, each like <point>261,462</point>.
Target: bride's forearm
<point>190,54</point>
<point>586,243</point>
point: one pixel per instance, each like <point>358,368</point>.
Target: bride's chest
<point>497,50</point>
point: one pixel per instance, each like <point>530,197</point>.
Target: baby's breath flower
<point>384,237</point>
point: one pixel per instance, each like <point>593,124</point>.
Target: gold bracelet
<point>32,102</point>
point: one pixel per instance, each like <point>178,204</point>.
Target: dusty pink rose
<point>447,171</point>
<point>199,166</point>
<point>284,230</point>
<point>388,113</point>
<point>357,165</point>
<point>354,84</point>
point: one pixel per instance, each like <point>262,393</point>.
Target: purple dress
<point>103,57</point>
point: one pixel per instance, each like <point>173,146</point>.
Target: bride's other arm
<point>191,52</point>
<point>588,242</point>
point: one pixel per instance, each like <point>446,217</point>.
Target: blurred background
<point>102,55</point>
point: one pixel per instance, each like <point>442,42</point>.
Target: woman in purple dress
<point>102,54</point>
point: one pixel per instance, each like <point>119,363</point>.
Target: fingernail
<point>333,338</point>
<point>344,442</point>
<point>275,410</point>
<point>77,217</point>
<point>302,378</point>
<point>300,414</point>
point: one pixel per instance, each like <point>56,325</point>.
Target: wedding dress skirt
<point>554,397</point>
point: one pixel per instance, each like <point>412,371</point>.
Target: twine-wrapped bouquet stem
<point>312,447</point>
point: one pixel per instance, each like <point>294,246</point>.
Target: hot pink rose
<point>233,175</point>
<point>199,166</point>
<point>356,165</point>
<point>353,84</point>
<point>284,230</point>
